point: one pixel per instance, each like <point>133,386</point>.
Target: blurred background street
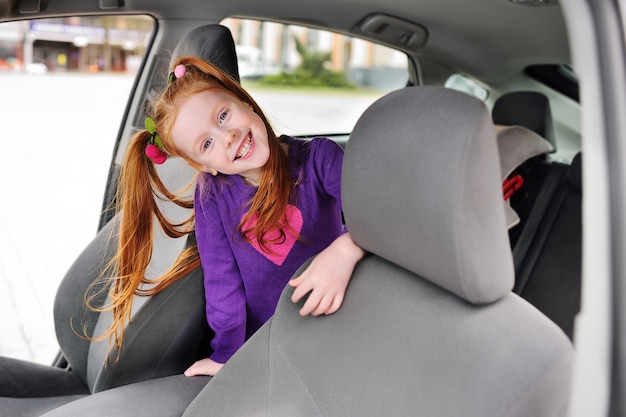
<point>50,197</point>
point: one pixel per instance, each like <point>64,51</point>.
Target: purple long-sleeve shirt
<point>242,282</point>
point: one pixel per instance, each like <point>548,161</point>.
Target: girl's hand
<point>204,367</point>
<point>327,277</point>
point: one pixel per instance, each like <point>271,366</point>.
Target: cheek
<point>193,164</point>
<point>177,147</point>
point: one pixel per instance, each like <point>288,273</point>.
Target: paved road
<point>51,196</point>
<point>40,234</point>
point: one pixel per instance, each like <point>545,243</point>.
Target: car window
<point>51,108</point>
<point>466,85</point>
<point>311,81</point>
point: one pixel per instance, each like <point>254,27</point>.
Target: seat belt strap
<point>553,178</point>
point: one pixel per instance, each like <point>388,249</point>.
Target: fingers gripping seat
<point>429,325</point>
<point>166,331</point>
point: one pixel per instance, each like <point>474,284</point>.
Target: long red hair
<point>139,186</point>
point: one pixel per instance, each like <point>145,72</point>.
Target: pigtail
<point>139,184</point>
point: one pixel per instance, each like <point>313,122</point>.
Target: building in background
<point>117,43</point>
<point>105,43</point>
<point>268,47</point>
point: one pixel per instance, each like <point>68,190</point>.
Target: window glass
<point>312,81</point>
<point>65,84</point>
<point>467,85</point>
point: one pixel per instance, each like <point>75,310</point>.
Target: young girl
<point>263,205</point>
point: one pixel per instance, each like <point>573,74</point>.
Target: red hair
<point>139,185</point>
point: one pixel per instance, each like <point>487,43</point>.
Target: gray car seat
<point>168,331</point>
<point>547,241</point>
<point>429,325</point>
<point>550,273</point>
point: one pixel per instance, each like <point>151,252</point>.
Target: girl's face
<point>219,132</point>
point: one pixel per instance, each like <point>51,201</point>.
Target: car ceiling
<point>491,40</point>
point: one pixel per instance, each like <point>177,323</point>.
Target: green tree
<point>311,72</point>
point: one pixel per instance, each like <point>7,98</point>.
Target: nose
<point>229,138</point>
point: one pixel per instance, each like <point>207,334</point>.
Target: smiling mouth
<point>245,148</point>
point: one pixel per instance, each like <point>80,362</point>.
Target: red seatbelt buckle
<point>511,185</point>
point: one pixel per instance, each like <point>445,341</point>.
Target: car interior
<point>171,325</point>
<point>470,210</point>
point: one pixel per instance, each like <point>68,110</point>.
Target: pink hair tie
<point>178,72</point>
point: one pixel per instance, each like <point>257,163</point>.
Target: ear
<point>204,168</point>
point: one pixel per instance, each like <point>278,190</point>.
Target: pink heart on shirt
<point>279,250</point>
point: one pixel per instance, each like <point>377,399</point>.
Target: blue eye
<point>223,116</point>
<point>206,144</point>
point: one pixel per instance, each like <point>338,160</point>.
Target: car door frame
<point>596,38</point>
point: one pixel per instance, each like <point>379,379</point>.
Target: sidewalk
<point>52,179</point>
<point>40,236</point>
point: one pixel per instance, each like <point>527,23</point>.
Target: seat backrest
<point>545,219</point>
<point>168,331</point>
<point>548,258</point>
<point>429,325</point>
<point>165,335</point>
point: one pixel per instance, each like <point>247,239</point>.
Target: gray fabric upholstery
<point>70,314</point>
<point>415,335</point>
<point>162,397</point>
<point>27,407</point>
<point>399,346</point>
<point>245,380</point>
<point>164,338</point>
<point>430,205</point>
<point>20,378</point>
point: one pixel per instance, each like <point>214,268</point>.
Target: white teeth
<point>244,149</point>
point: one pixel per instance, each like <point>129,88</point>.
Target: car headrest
<point>213,43</point>
<point>421,188</point>
<point>525,108</point>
